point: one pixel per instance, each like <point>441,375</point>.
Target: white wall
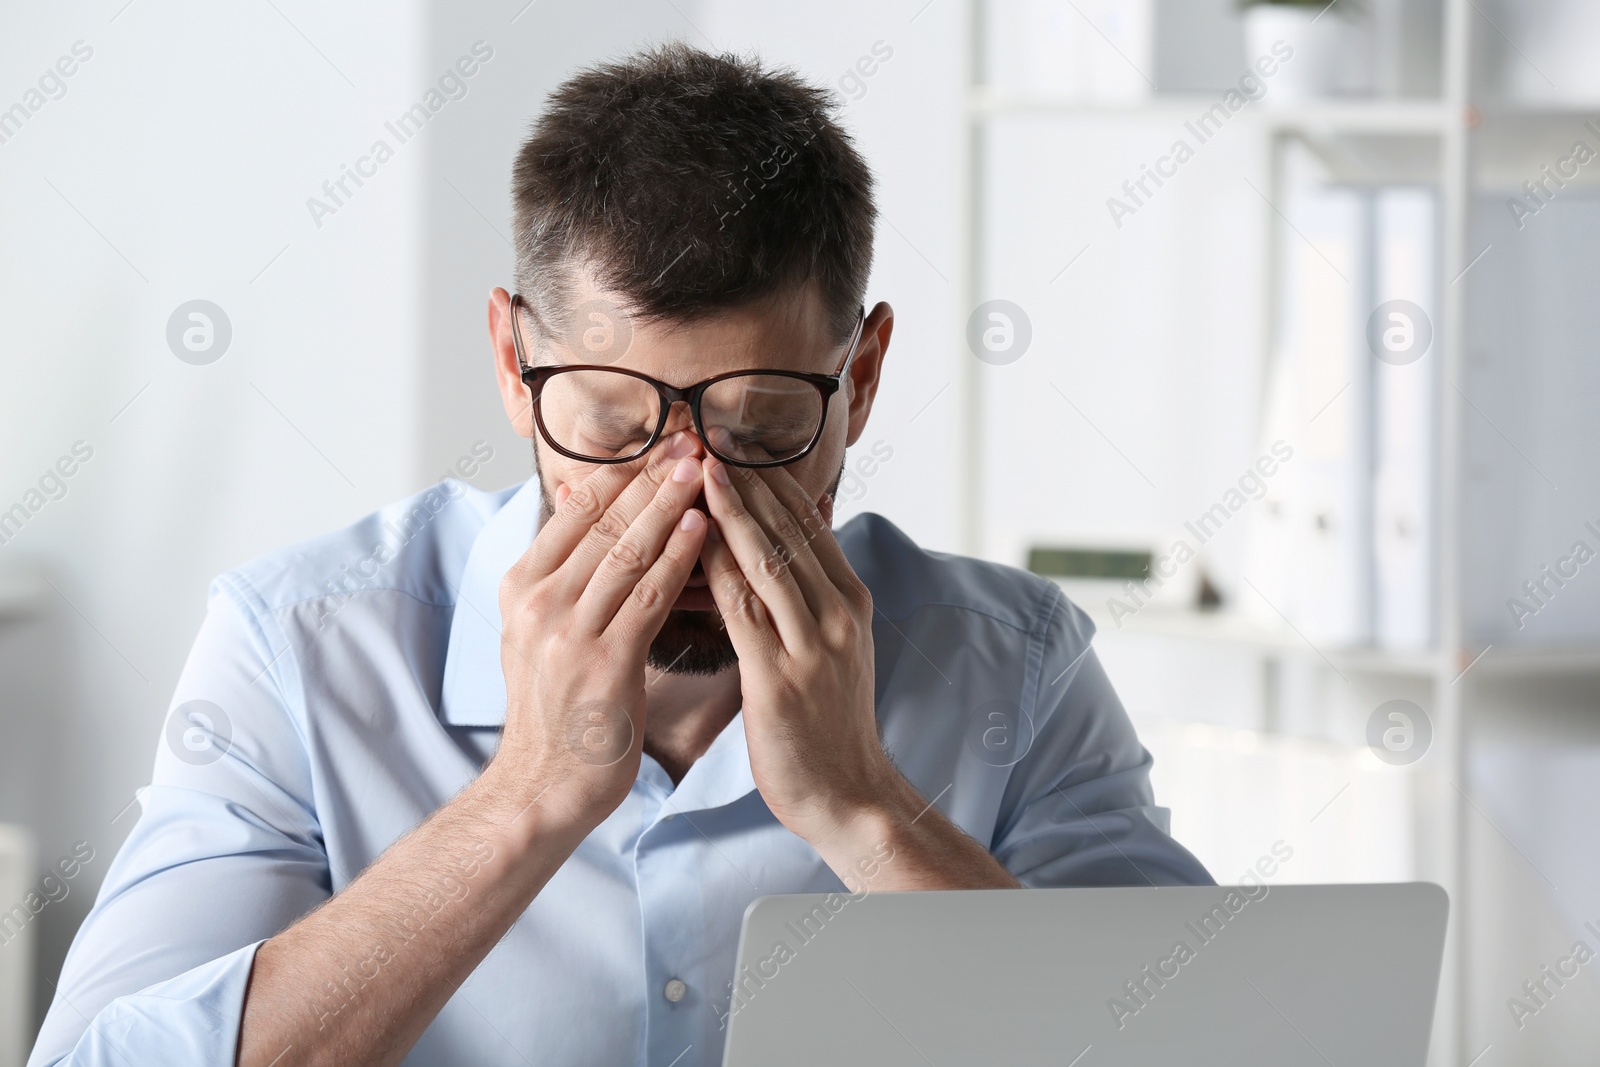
<point>177,167</point>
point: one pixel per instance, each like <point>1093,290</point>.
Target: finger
<point>645,608</point>
<point>817,520</point>
<point>635,552</point>
<point>765,568</point>
<point>790,536</point>
<point>743,614</point>
<point>606,528</point>
<point>576,511</point>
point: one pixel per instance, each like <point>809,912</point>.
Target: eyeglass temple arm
<point>855,342</point>
<point>516,333</point>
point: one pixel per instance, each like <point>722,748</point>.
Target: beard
<point>689,642</point>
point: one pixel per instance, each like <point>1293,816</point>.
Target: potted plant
<point>1330,45</point>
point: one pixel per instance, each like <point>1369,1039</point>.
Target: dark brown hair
<point>691,183</point>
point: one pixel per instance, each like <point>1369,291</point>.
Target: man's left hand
<point>801,622</point>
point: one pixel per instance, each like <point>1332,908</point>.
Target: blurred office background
<point>1301,411</point>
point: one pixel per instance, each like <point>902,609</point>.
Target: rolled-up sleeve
<point>226,853</point>
<point>1078,809</point>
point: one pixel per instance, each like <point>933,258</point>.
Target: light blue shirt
<point>351,685</point>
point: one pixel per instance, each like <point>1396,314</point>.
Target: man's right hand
<point>579,611</point>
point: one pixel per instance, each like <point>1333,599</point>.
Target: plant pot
<point>1331,54</point>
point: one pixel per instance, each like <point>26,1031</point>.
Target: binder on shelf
<point>1312,549</point>
<point>1404,269</point>
<point>1346,555</point>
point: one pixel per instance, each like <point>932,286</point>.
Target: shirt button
<point>675,990</point>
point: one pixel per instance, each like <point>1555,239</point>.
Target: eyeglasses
<point>747,418</point>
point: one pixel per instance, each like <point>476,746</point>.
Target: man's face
<point>790,333</point>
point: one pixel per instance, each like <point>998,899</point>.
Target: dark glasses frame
<point>536,377</point>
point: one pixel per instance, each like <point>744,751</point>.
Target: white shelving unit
<point>1438,141</point>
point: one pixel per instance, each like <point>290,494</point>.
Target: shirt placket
<point>674,995</point>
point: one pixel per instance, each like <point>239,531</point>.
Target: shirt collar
<point>474,690</point>
<point>720,776</point>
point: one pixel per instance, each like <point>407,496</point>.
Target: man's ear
<point>867,367</point>
<point>507,371</point>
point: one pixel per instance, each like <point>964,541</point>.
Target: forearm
<point>361,977</point>
<point>898,841</point>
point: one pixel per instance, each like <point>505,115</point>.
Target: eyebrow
<point>784,425</point>
<point>611,419</point>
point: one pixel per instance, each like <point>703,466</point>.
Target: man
<point>503,797</point>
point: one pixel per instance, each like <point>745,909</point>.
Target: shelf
<point>1385,141</point>
<point>992,101</point>
<point>1516,143</point>
<point>1374,115</point>
<point>1500,111</point>
<point>1245,634</point>
<point>1375,118</point>
<point>1353,116</point>
<point>1241,633</point>
<point>1562,661</point>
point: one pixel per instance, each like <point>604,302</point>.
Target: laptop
<point>1199,975</point>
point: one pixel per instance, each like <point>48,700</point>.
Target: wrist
<point>868,831</point>
<point>529,806</point>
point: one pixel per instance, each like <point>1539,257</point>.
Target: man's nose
<point>685,442</point>
<point>679,437</point>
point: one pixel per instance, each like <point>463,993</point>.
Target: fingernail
<point>692,521</point>
<point>685,470</point>
<point>720,473</point>
<point>713,534</point>
<point>680,445</point>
